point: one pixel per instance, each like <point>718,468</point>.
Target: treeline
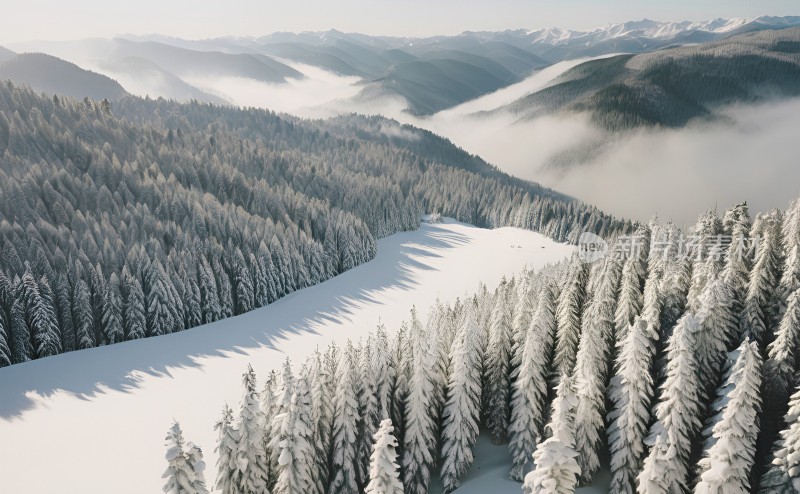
<point>153,217</point>
<point>673,371</point>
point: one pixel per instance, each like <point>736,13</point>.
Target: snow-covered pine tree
<point>498,365</point>
<point>368,383</point>
<point>384,477</point>
<point>462,409</point>
<point>382,367</point>
<point>291,440</point>
<point>420,439</point>
<point>674,284</point>
<point>323,370</point>
<point>592,367</point>
<point>5,349</point>
<point>209,296</point>
<point>250,454</point>
<point>194,455</point>
<point>631,297</point>
<point>678,416</point>
<point>556,468</point>
<point>20,342</point>
<point>181,476</point>
<point>703,264</point>
<point>229,469</point>
<point>47,338</point>
<point>568,315</point>
<point>401,371</point>
<point>112,311</point>
<point>726,466</point>
<point>530,387</point>
<point>345,426</point>
<point>760,306</point>
<point>525,305</point>
<point>790,236</point>
<point>718,332</point>
<point>270,407</point>
<point>783,476</point>
<point>135,313</point>
<point>738,263</point>
<point>779,370</point>
<point>631,393</point>
<point>160,319</point>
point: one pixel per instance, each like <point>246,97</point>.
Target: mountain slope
<point>671,87</point>
<point>6,54</point>
<point>189,63</point>
<point>51,75</point>
<point>143,77</point>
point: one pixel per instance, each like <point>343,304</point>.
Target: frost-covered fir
<point>498,363</point>
<point>344,476</point>
<point>292,436</point>
<point>462,409</point>
<point>591,369</point>
<point>678,416</point>
<point>184,472</point>
<point>726,466</point>
<point>631,393</point>
<point>384,477</point>
<point>783,476</point>
<point>421,413</point>
<point>568,315</point>
<point>529,398</point>
<point>556,468</point>
<point>251,459</point>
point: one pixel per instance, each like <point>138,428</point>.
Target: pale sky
<point>24,20</point>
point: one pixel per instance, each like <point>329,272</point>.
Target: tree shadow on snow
<point>121,367</point>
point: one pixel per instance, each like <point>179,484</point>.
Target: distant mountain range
<point>51,75</point>
<point>428,74</point>
<point>672,86</point>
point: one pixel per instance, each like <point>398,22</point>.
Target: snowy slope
<point>97,418</point>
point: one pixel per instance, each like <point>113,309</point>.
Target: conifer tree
<point>112,312</point>
<point>498,366</point>
<point>228,469</point>
<point>591,369</point>
<point>726,465</point>
<point>462,409</point>
<point>760,307</point>
<point>250,453</point>
<point>556,469</point>
<point>421,413</point>
<point>529,398</point>
<point>678,421</point>
<point>568,315</point>
<point>384,477</point>
<point>631,393</point>
<point>783,476</point>
<point>292,436</point>
<point>135,315</point>
<point>180,474</point>
<point>345,426</point>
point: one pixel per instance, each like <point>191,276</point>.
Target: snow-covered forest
<point>675,372</point>
<point>153,216</point>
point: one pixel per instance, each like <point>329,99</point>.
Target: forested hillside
<point>673,366</point>
<point>152,217</point>
<point>673,86</point>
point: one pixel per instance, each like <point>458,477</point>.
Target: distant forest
<point>150,217</point>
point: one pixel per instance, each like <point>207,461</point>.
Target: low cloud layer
<point>751,155</point>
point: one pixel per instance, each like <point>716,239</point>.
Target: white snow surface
<point>93,421</point>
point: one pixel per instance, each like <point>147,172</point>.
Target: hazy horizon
<point>412,18</point>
